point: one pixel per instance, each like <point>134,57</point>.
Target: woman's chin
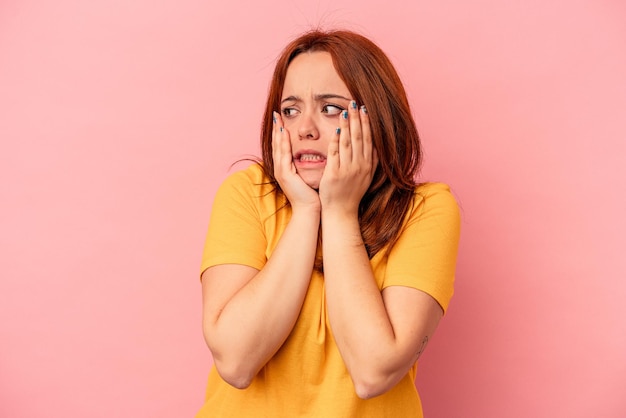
<point>312,182</point>
<point>314,185</point>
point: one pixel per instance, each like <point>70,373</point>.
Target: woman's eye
<point>289,111</point>
<point>332,109</point>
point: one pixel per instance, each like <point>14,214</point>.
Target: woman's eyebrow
<point>290,99</point>
<point>317,97</point>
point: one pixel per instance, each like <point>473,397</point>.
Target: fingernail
<point>338,131</point>
<point>363,109</point>
<point>281,128</point>
<point>274,116</point>
<point>353,104</point>
<point>345,114</point>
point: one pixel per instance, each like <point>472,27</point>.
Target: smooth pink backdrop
<point>118,120</point>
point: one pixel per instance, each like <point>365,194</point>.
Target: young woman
<point>327,266</point>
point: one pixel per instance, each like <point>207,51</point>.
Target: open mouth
<point>310,157</point>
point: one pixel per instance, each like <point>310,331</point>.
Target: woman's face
<point>312,100</point>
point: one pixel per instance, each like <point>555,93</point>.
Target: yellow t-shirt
<point>307,376</point>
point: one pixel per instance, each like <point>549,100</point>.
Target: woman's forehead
<point>313,73</point>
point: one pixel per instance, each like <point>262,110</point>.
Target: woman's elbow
<point>370,385</point>
<point>369,391</point>
<point>232,370</point>
<point>237,371</point>
<point>236,374</point>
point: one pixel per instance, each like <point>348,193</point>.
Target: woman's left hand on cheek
<point>351,162</point>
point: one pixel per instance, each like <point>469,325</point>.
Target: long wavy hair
<point>373,81</point>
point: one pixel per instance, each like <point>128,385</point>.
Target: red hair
<point>372,81</point>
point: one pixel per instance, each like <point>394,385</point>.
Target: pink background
<point>118,120</point>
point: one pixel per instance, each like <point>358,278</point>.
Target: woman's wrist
<point>310,211</point>
<point>340,213</point>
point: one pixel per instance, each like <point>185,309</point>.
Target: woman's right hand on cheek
<point>297,191</point>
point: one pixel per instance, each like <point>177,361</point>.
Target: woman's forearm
<point>359,320</point>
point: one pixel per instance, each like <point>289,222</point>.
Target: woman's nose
<point>307,129</point>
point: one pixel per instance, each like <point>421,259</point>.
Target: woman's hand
<point>297,191</point>
<point>351,163</point>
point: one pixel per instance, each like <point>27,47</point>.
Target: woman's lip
<point>309,164</point>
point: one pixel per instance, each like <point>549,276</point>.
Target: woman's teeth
<point>311,157</point>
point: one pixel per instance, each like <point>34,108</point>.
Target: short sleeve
<point>235,234</point>
<point>424,257</point>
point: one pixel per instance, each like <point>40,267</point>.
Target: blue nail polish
<point>338,131</point>
<point>353,104</point>
<point>274,116</point>
<point>363,109</point>
<point>281,128</point>
<point>345,114</point>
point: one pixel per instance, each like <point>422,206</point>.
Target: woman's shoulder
<point>250,176</point>
<point>435,194</point>
<point>250,184</point>
<point>426,190</point>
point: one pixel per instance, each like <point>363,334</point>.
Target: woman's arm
<point>380,334</point>
<point>247,313</point>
